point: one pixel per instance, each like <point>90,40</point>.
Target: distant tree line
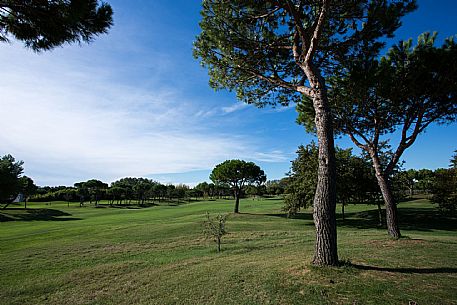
<point>128,191</point>
<point>356,183</point>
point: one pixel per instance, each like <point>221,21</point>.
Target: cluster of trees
<point>357,183</point>
<point>355,179</point>
<point>127,191</point>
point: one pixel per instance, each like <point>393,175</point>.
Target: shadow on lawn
<point>406,270</point>
<point>303,216</point>
<point>17,214</point>
<point>411,219</point>
<point>414,219</point>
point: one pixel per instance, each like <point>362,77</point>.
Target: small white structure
<point>19,198</point>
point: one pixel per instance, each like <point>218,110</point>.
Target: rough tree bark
<point>324,213</point>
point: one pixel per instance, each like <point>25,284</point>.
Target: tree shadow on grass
<point>16,214</point>
<point>302,216</point>
<point>405,270</point>
<point>410,219</point>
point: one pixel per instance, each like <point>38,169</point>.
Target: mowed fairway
<point>158,255</point>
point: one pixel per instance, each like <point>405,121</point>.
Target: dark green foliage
<point>247,45</point>
<point>214,228</point>
<point>93,189</point>
<point>355,179</point>
<point>406,90</point>
<point>303,179</point>
<point>444,190</point>
<point>44,25</point>
<point>10,182</point>
<point>204,190</point>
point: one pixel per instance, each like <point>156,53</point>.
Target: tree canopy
<point>237,174</point>
<point>44,25</point>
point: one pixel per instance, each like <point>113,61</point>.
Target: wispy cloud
<point>273,156</point>
<point>71,120</point>
<point>235,107</point>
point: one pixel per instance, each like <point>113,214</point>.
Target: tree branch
<point>317,32</point>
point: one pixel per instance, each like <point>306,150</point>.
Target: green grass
<point>54,254</point>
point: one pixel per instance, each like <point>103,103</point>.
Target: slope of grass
<point>54,254</point>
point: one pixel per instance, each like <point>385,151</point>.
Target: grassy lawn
<point>54,254</point>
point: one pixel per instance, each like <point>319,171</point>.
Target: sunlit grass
<point>54,254</point>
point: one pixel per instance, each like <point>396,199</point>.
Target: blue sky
<point>136,103</point>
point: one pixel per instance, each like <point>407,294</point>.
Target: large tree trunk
<point>237,202</point>
<point>391,208</point>
<point>325,198</point>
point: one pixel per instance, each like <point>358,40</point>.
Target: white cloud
<point>70,120</point>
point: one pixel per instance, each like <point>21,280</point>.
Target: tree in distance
<point>10,179</point>
<point>237,174</point>
<point>284,51</point>
<point>44,25</point>
<point>27,188</point>
<point>405,91</point>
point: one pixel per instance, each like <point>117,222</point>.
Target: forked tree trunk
<point>324,213</point>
